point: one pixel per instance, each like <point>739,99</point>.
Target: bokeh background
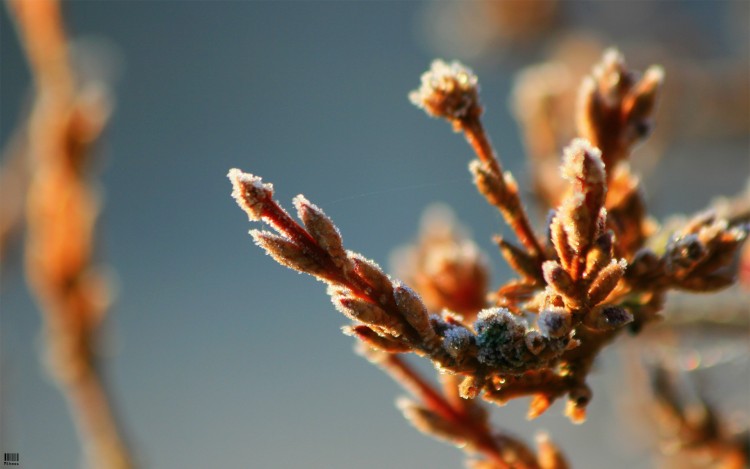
<point>218,357</point>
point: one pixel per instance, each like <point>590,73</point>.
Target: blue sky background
<point>218,357</point>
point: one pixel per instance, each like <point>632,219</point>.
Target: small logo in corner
<point>11,459</point>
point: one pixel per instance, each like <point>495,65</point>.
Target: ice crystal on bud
<point>612,77</point>
<point>250,192</point>
<point>448,90</point>
<point>582,162</point>
<point>500,334</point>
<point>535,342</point>
<point>554,323</point>
<point>686,251</point>
<point>439,325</point>
<point>458,340</point>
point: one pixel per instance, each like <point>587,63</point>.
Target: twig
<point>61,214</point>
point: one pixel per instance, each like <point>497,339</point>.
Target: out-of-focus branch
<point>689,432</point>
<point>14,179</point>
<point>62,208</point>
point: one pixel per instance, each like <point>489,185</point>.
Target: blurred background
<point>217,356</point>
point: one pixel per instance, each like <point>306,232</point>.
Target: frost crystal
<point>554,323</point>
<point>457,340</point>
<point>250,192</point>
<point>500,336</point>
<point>448,90</point>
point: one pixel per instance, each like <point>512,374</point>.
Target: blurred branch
<point>14,181</point>
<point>62,208</point>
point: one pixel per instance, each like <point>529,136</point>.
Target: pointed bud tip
<point>583,161</point>
<point>250,192</point>
<point>654,74</point>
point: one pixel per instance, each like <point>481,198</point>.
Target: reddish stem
<point>436,402</point>
<point>477,138</point>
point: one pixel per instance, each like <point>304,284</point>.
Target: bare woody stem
<point>513,210</point>
<point>94,412</point>
<point>450,91</point>
<point>40,27</point>
<point>435,401</point>
<point>61,215</point>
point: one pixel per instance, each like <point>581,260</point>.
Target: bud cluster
<point>600,267</point>
<point>449,91</point>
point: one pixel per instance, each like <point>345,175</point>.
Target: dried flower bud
<point>538,405</point>
<point>578,399</point>
<point>414,311</point>
<point>638,110</point>
<point>615,109</point>
<point>599,99</point>
<point>448,90</point>
<point>439,324</point>
<point>432,423</point>
<point>558,279</point>
<point>375,340</point>
<point>608,318</point>
<point>685,252</point>
<point>589,110</point>
<point>583,167</point>
<point>366,312</point>
<point>606,281</point>
<point>559,238</point>
<point>535,342</point>
<point>599,255</point>
<point>470,387</point>
<point>644,263</point>
<point>458,341</point>
<point>612,77</point>
<point>500,336</point>
<point>287,253</point>
<point>322,229</point>
<point>578,222</point>
<point>371,273</point>
<point>250,192</point>
<point>444,266</point>
<point>554,322</point>
<point>627,210</point>
<point>549,455</point>
<point>490,184</point>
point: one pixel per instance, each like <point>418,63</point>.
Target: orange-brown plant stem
<point>61,214</point>
<point>96,421</point>
<point>518,219</point>
<point>435,401</point>
<point>14,181</point>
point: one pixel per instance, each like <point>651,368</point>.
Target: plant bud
<point>250,192</point>
<point>449,91</point>
<point>554,322</point>
<point>322,229</point>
